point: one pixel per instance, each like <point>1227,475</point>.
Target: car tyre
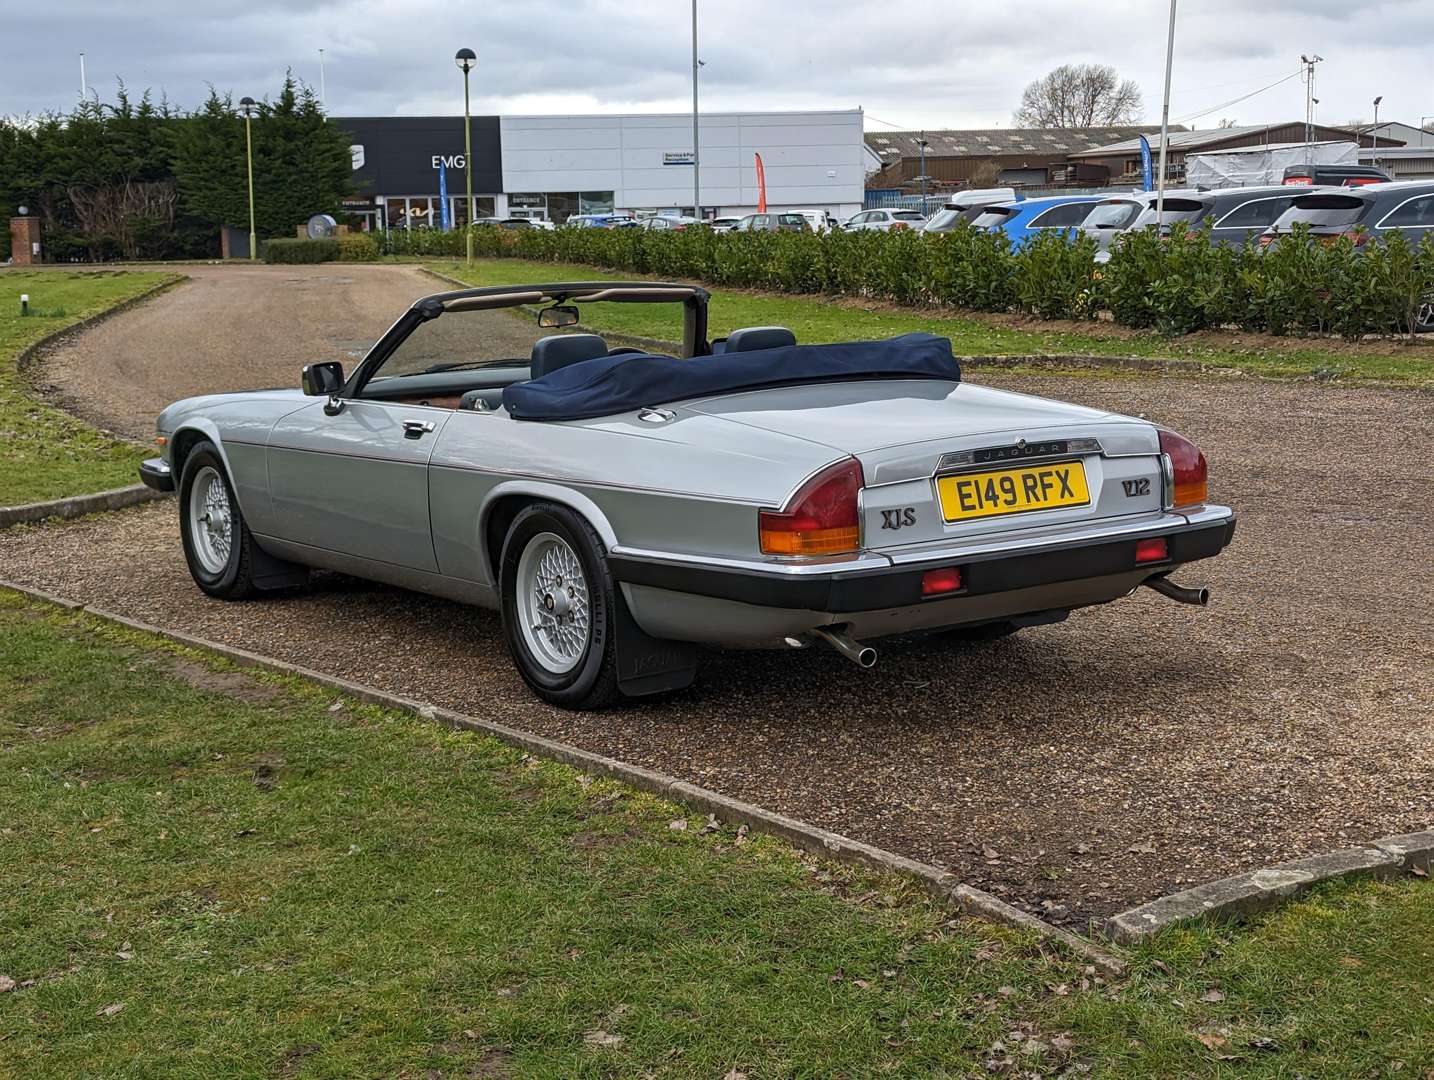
<point>217,543</point>
<point>1424,315</point>
<point>559,607</point>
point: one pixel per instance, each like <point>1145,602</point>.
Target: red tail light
<point>820,519</point>
<point>1153,549</point>
<point>945,580</point>
<point>1266,239</point>
<point>897,225</point>
<point>1190,476</point>
<point>1359,236</point>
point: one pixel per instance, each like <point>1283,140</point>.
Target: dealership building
<point>408,170</point>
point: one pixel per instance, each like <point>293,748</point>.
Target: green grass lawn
<point>817,319</point>
<point>209,873</point>
<point>44,452</point>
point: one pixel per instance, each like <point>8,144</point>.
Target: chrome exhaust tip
<point>863,656</point>
<point>1165,587</point>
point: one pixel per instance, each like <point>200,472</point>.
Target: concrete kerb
<point>35,348</point>
<point>77,505</point>
<point>941,885</point>
<point>1243,895</point>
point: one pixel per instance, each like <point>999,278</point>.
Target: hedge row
<point>1176,285</point>
<point>351,247</point>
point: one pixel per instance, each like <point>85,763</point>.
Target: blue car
<point>1022,220</point>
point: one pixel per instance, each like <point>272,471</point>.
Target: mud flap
<point>648,665</point>
<point>271,572</point>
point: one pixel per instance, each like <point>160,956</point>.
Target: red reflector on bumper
<point>936,582</point>
<point>1153,550</point>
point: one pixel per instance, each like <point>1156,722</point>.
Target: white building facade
<point>644,162</point>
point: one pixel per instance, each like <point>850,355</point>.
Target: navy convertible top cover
<point>615,384</point>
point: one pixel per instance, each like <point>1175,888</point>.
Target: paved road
<point>236,328</point>
<point>1076,769</point>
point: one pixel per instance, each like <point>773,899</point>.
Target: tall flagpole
<point>696,181</point>
<point>1165,122</point>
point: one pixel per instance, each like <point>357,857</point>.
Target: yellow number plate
<point>1012,491</point>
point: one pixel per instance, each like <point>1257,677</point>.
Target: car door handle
<point>417,429</point>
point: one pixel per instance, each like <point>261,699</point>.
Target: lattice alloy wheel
<point>553,596</point>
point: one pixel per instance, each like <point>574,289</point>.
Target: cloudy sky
<point>394,57</point>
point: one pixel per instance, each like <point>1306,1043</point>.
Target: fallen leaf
<point>1060,991</point>
<point>6,984</point>
<point>1261,1042</point>
<point>861,984</point>
<point>1211,1041</point>
<point>1006,991</point>
<point>126,953</point>
<point>469,1033</point>
<point>989,852</point>
<point>602,1038</point>
<point>741,835</point>
<point>336,706</point>
<point>712,824</point>
<point>679,825</point>
<point>110,1010</point>
<point>1161,965</point>
<point>1212,996</point>
<point>735,1074</point>
<point>1351,961</point>
<point>1146,848</point>
<point>1418,871</point>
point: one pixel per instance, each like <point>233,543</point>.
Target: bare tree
<point>1079,95</point>
<point>1229,123</point>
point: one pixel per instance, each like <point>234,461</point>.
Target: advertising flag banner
<point>761,186</point>
<point>443,196</point>
<point>1145,164</point>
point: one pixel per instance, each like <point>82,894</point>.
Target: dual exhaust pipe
<point>864,656</point>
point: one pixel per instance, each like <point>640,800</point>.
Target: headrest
<point>751,338</point>
<point>560,350</point>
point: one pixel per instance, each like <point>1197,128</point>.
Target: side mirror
<point>323,380</point>
<point>557,315</point>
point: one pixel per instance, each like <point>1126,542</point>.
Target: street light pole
<point>696,167</point>
<point>466,59</point>
<point>1165,122</point>
<point>921,143</point>
<point>1374,134</point>
<point>248,106</point>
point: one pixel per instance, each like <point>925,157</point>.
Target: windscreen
<point>944,218</point>
<point>1323,210</point>
<point>1175,210</point>
<point>1112,215</point>
<point>907,215</point>
<point>993,217</point>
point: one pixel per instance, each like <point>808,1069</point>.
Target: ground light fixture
<point>248,106</point>
<point>1374,132</point>
<point>467,60</point>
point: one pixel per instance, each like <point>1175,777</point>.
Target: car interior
<point>481,389</point>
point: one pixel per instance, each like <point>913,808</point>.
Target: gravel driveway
<point>236,328</point>
<point>1075,769</point>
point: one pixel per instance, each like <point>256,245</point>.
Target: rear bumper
<point>156,473</point>
<point>869,584</point>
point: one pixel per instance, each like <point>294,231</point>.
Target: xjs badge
<point>898,518</point>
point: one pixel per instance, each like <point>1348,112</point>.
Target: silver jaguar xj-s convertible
<point>619,506</point>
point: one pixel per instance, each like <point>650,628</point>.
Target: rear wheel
<point>217,544</point>
<point>1424,315</point>
<point>558,607</point>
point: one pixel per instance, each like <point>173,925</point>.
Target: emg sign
<point>449,161</point>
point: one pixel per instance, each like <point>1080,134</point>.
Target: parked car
<point>783,222</point>
<point>1234,215</point>
<point>601,221</point>
<point>617,508</point>
<point>724,224</point>
<point>667,223</point>
<point>1022,220</point>
<point>819,221</point>
<point>1336,175</point>
<point>967,206</point>
<point>1362,213</point>
<point>884,220</point>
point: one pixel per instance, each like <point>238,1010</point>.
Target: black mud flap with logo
<point>648,665</point>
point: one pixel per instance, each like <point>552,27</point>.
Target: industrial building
<point>552,167</point>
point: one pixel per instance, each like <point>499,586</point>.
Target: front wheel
<point>217,544</point>
<point>558,607</point>
<point>1424,315</point>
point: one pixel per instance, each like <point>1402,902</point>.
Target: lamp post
<point>1374,134</point>
<point>248,106</point>
<point>922,144</point>
<point>466,59</point>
